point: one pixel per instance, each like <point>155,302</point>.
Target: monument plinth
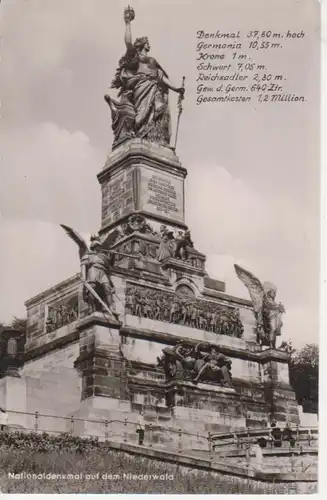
<point>144,178</point>
<point>12,384</point>
<point>11,352</point>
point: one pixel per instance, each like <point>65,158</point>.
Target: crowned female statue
<point>143,88</point>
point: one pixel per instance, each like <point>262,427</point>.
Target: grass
<point>96,475</point>
<point>93,466</point>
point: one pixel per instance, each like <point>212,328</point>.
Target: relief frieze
<point>183,308</point>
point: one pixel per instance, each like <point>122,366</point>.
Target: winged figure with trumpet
<point>96,263</point>
<point>268,312</point>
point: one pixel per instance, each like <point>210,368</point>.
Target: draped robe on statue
<point>272,320</point>
<point>143,110</point>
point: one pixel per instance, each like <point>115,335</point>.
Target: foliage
<point>287,347</point>
<point>44,442</point>
<point>309,355</point>
<point>22,453</point>
<point>304,374</point>
<point>19,324</point>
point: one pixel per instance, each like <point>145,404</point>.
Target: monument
<point>143,326</point>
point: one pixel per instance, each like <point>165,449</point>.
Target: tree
<point>19,324</point>
<point>304,376</point>
<point>287,347</point>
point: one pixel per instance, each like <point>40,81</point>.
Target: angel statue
<point>143,87</point>
<point>166,246</point>
<point>96,263</point>
<point>183,243</point>
<point>267,311</point>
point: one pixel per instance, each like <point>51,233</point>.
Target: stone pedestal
<point>104,417</point>
<point>204,407</point>
<point>163,296</point>
<point>103,371</point>
<point>13,399</point>
<point>11,352</point>
<point>142,177</point>
<point>100,361</point>
<point>307,419</point>
<point>279,395</point>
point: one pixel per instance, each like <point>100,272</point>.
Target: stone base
<point>205,407</point>
<point>284,407</point>
<point>100,362</point>
<point>13,399</point>
<point>104,417</point>
<point>307,419</point>
<point>200,411</point>
<point>116,420</point>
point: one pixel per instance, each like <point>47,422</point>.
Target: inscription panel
<point>118,197</point>
<point>161,194</point>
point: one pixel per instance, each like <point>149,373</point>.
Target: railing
<point>123,429</point>
<point>241,439</point>
<point>212,446</point>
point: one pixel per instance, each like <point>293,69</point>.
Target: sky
<point>252,191</point>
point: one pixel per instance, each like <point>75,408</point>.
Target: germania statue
<point>267,311</point>
<point>143,88</point>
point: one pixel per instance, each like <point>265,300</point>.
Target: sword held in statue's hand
<point>96,296</point>
<point>180,109</point>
